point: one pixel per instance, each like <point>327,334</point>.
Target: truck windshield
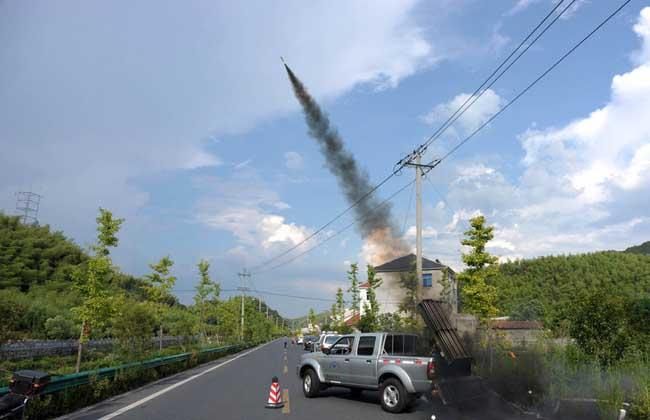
<point>401,345</point>
<point>331,339</point>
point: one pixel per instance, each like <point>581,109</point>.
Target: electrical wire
<point>408,210</point>
<point>534,82</point>
<point>335,234</point>
<point>398,167</point>
<point>436,162</point>
<point>485,86</point>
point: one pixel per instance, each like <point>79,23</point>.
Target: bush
<point>133,326</point>
<point>60,327</point>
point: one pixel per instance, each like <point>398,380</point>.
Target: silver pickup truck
<point>387,362</point>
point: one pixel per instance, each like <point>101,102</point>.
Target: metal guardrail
<point>59,383</point>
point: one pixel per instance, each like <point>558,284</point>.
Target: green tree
<point>91,280</point>
<point>409,282</point>
<point>207,293</point>
<point>158,285</point>
<point>478,295</point>
<point>445,283</point>
<point>312,320</point>
<point>133,325</point>
<point>370,320</point>
<point>600,326</point>
<point>354,288</point>
<point>338,310</point>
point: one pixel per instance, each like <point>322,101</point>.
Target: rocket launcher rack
<point>453,351</point>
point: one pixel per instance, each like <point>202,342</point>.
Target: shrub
<point>60,327</point>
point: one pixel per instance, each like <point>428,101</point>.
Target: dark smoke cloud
<point>352,179</point>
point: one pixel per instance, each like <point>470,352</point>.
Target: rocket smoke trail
<point>377,226</point>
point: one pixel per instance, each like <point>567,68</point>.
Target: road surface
<point>237,387</point>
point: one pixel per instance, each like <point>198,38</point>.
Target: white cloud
<point>246,207</point>
<point>293,161</point>
<point>522,5</point>
<point>584,186</point>
<point>137,100</point>
<point>484,107</point>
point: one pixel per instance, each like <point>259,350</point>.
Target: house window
<point>426,280</point>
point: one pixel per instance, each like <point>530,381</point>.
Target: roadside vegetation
<point>50,288</point>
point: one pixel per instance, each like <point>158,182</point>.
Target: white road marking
<point>169,388</point>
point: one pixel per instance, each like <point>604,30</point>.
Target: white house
<point>391,292</point>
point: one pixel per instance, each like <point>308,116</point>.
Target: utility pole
<point>259,304</point>
<point>243,289</point>
<point>267,311</point>
<point>418,217</point>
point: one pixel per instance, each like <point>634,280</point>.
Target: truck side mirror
<point>327,350</point>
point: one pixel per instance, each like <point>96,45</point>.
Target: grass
<point>91,360</point>
<point>538,376</point>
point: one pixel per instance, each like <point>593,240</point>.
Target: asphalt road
<point>237,387</point>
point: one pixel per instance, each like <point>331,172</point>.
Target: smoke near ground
<point>377,225</point>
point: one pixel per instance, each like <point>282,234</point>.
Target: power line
<point>335,234</point>
<point>436,162</point>
<point>320,229</point>
<point>483,88</point>
<point>408,209</point>
<point>534,82</point>
<point>422,148</point>
<point>402,162</point>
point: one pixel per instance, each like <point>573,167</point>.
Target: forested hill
<point>644,248</point>
<point>32,255</point>
<point>545,287</point>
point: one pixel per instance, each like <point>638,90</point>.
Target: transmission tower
<point>27,204</point>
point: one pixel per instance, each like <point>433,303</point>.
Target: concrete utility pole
<point>419,172</point>
<point>243,289</point>
<point>418,224</point>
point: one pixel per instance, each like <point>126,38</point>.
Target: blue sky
<point>180,118</point>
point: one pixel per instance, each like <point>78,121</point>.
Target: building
<point>391,292</point>
<point>348,316</point>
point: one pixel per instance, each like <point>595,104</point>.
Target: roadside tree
<point>158,285</point>
<point>91,281</point>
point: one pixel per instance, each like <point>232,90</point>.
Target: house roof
<point>406,262</point>
<point>353,320</point>
<point>364,285</point>
<point>517,325</point>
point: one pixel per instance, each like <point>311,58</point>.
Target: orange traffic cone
<point>275,395</point>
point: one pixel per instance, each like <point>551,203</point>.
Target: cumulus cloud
<point>486,106</point>
<point>247,208</point>
<point>140,89</point>
<point>293,161</point>
<point>584,185</point>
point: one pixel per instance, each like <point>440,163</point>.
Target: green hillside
<point>546,287</point>
<point>31,255</point>
<point>644,248</point>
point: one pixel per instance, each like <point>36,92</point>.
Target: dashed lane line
<point>287,404</point>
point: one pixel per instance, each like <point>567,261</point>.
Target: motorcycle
<point>24,385</point>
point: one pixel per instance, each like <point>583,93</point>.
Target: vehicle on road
<point>309,342</point>
<point>388,362</point>
<point>300,340</point>
<point>326,341</point>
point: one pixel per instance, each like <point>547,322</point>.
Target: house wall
<point>391,293</point>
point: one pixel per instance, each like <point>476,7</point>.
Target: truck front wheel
<point>393,396</point>
<point>310,383</point>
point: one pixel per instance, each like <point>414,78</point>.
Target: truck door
<point>363,364</point>
<point>336,365</point>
